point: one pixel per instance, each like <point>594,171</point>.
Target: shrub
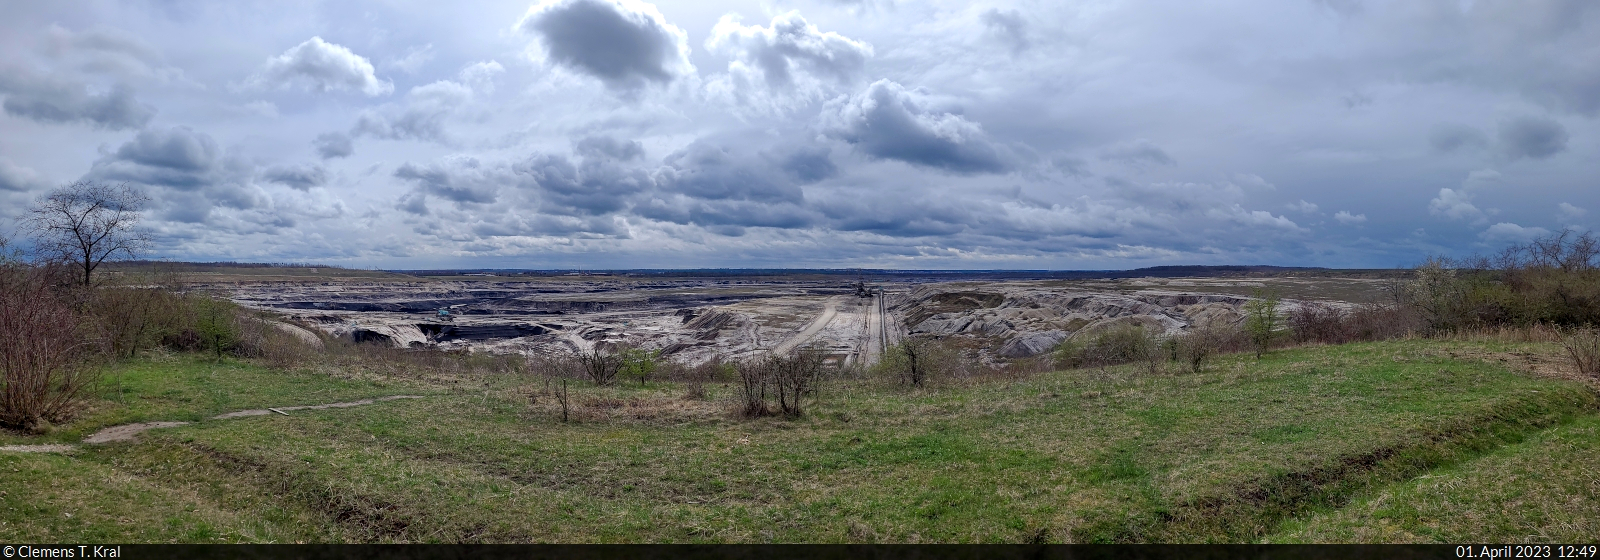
<point>1196,347</point>
<point>1119,345</point>
<point>1583,346</point>
<point>130,319</point>
<point>755,378</point>
<point>43,374</point>
<point>217,323</point>
<point>601,367</point>
<point>1262,320</point>
<point>788,378</point>
<point>638,363</point>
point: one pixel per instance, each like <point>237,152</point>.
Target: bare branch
<point>88,223</point>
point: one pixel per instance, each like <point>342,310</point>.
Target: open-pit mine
<point>693,318</point>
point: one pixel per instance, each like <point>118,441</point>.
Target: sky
<point>812,134</point>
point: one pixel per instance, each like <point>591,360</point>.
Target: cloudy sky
<point>813,133</point>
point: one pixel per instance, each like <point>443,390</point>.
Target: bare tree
<point>87,223</point>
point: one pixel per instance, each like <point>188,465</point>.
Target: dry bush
<point>600,366</point>
<point>755,377</point>
<point>918,361</point>
<point>1583,345</point>
<point>260,338</point>
<point>1196,347</point>
<point>786,378</point>
<point>131,319</point>
<point>43,374</point>
<point>1371,322</point>
<point>1318,322</point>
<point>1121,345</point>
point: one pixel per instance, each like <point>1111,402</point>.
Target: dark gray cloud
<point>1451,137</point>
<point>625,45</point>
<point>59,99</point>
<point>1009,27</point>
<point>1532,137</point>
<point>787,47</point>
<point>809,165</point>
<point>592,188</point>
<point>331,145</point>
<point>321,66</point>
<point>608,147</point>
<point>722,170</point>
<point>1138,152</point>
<point>890,122</point>
<point>178,158</point>
<point>459,180</point>
<point>303,176</point>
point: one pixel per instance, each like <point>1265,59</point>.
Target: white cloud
<point>1507,233</point>
<point>1456,205</point>
<point>1347,218</point>
<point>784,64</point>
<point>1303,207</point>
<point>1568,213</point>
<point>321,66</point>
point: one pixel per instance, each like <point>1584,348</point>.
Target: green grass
<point>1544,490</point>
<point>192,387</point>
<point>1119,455</point>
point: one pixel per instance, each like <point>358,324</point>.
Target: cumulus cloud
<point>1456,205</point>
<point>17,178</point>
<point>789,52</point>
<point>593,187</point>
<point>1506,233</point>
<point>1532,137</point>
<point>460,179</point>
<point>322,66</point>
<point>1007,27</point>
<point>178,157</point>
<point>1566,212</point>
<point>301,176</point>
<point>191,177</point>
<point>626,44</point>
<point>708,170</point>
<point>59,99</point>
<point>1346,218</point>
<point>331,145</point>
<point>1137,152</point>
<point>890,122</point>
<point>480,75</point>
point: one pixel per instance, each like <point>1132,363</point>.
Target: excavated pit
<point>696,319</point>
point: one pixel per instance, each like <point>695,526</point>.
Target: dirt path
<point>811,330</point>
<point>127,432</point>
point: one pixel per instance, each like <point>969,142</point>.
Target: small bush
<point>1196,347</point>
<point>638,363</point>
<point>755,378</point>
<point>1119,345</point>
<point>601,367</point>
<point>786,378</point>
<point>1262,321</point>
<point>1583,346</point>
<point>43,370</point>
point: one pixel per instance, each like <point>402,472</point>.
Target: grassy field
<point>1311,444</point>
